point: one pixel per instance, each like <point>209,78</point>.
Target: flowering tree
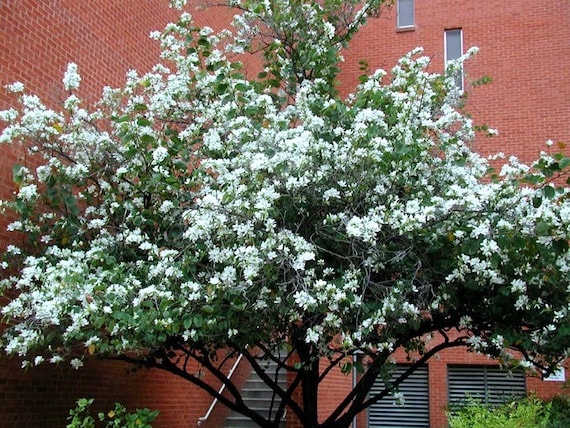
<point>196,214</point>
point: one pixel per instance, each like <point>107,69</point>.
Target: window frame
<point>412,9</point>
<point>446,33</point>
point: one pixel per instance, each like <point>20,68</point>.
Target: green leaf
<point>198,321</point>
<point>532,179</point>
<point>222,88</point>
<point>180,165</point>
<point>359,367</point>
<point>549,191</point>
<point>560,246</point>
<point>143,121</point>
<point>208,309</point>
<point>187,322</point>
<point>147,139</point>
<point>17,173</point>
<point>241,87</point>
<point>505,291</point>
<point>203,41</point>
<point>542,228</point>
<point>564,162</point>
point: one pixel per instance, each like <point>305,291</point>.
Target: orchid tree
<point>196,214</point>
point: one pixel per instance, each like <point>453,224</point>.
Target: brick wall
<point>523,47</point>
<point>106,38</point>
<point>42,397</point>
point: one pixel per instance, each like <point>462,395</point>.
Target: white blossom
<point>71,79</point>
<point>159,155</point>
<point>15,87</point>
<point>312,336</point>
<point>399,399</point>
<point>28,192</point>
<point>76,363</point>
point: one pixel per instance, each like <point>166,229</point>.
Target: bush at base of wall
<point>530,412</point>
<point>80,417</point>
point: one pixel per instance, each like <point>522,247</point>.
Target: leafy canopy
<point>196,209</point>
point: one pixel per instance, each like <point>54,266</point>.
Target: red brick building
<point>523,47</point>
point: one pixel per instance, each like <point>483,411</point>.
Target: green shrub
<point>80,417</point>
<point>559,412</point>
<point>529,412</point>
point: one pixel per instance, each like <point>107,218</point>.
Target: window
<point>490,384</point>
<point>453,50</point>
<point>405,13</point>
<point>558,376</point>
<point>415,410</point>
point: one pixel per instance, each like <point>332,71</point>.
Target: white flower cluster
<point>71,78</point>
<point>200,205</point>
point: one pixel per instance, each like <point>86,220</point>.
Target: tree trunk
<point>310,388</point>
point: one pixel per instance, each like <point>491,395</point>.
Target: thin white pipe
<point>207,415</point>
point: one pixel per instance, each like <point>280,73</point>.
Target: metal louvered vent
<point>415,411</point>
<point>487,384</point>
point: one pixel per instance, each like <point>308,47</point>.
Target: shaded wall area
<point>42,397</point>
